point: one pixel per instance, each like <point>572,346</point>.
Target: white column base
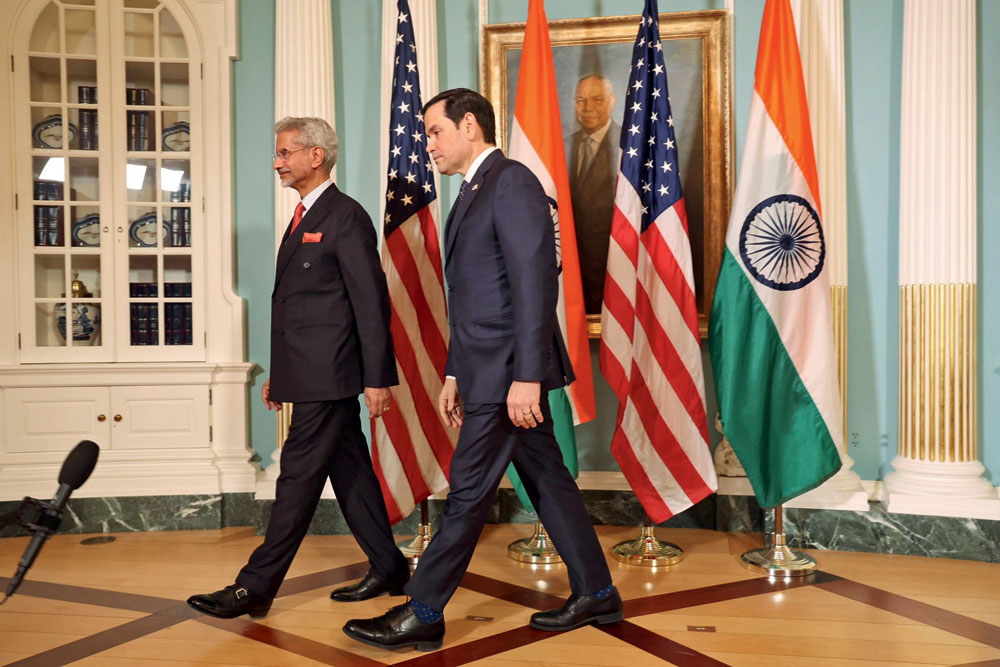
<point>843,491</point>
<point>735,486</point>
<point>941,489</point>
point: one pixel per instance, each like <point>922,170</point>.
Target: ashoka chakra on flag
<point>782,244</point>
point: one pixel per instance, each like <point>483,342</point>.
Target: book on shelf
<point>87,118</point>
<point>48,219</point>
<point>175,323</point>
<point>176,226</point>
<point>138,130</point>
<point>138,121</point>
<point>41,226</point>
<point>133,322</point>
<point>188,333</point>
<point>144,327</point>
<point>140,290</point>
<point>152,336</point>
<point>54,219</point>
<point>88,130</point>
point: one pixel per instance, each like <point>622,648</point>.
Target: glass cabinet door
<point>156,134</point>
<point>66,235</point>
<point>110,242</point>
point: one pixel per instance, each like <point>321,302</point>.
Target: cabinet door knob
<point>101,418</point>
<point>117,418</point>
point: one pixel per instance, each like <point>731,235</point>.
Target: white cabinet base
<point>184,435</point>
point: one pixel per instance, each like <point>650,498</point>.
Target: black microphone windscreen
<point>79,464</point>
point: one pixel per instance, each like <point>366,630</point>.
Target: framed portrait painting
<point>592,58</point>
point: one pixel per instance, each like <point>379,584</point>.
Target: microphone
<point>75,470</point>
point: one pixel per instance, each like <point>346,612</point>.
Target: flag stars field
<point>411,448</point>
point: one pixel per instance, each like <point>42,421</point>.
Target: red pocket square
<point>312,237</point>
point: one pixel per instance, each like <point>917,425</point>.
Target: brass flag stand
<point>414,549</point>
<point>647,550</point>
<point>537,549</point>
<point>778,560</point>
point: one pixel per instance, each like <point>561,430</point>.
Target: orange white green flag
<point>536,141</point>
<point>771,330</point>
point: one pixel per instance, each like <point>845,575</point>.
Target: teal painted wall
<point>989,236</point>
<point>873,44</point>
<point>873,48</point>
<point>253,180</point>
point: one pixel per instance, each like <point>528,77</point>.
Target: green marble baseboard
<point>878,531</point>
<point>135,513</point>
<point>875,531</point>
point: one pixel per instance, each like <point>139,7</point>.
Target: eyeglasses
<point>284,153</point>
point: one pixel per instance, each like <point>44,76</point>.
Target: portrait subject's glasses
<point>284,153</point>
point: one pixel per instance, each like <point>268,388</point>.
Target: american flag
<point>650,346</point>
<point>412,449</point>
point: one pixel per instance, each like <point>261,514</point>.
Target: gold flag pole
<point>647,550</point>
<point>778,560</point>
<point>414,549</point>
<point>537,549</point>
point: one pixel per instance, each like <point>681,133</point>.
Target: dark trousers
<point>324,440</point>
<point>487,442</point>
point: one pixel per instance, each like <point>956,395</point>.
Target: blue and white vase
<point>86,322</point>
<point>86,316</point>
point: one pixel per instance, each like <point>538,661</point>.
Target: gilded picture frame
<point>696,50</point>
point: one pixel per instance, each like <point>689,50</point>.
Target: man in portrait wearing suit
<point>505,353</point>
<point>592,153</point>
<point>330,341</point>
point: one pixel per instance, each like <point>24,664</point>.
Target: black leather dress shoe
<point>578,611</point>
<point>370,587</point>
<point>230,602</point>
<point>397,628</point>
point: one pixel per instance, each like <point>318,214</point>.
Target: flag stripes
<point>650,344</point>
<point>411,448</point>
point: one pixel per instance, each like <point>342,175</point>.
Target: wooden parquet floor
<point>122,603</point>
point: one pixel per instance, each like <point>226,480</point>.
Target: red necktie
<point>297,218</point>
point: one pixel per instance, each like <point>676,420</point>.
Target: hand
<point>266,393</point>
<point>448,403</point>
<point>524,404</point>
<point>377,400</point>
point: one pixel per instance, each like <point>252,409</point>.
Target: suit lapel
<point>292,240</point>
<point>458,212</point>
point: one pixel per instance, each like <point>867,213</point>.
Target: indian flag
<point>771,330</point>
<point>536,141</point>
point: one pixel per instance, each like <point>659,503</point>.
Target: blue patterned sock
<point>604,592</point>
<point>425,613</point>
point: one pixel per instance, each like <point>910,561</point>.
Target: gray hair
<point>313,132</point>
<point>609,87</point>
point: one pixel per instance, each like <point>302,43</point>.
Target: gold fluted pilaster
<point>838,294</point>
<point>937,365</point>
<point>284,421</point>
<point>936,470</point>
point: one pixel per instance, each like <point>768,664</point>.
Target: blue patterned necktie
<point>461,192</point>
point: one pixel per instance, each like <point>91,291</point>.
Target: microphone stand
<point>44,518</point>
<point>35,516</point>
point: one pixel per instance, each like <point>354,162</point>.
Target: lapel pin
<point>476,186</point>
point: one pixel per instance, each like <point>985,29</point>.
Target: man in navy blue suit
<point>506,353</point>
